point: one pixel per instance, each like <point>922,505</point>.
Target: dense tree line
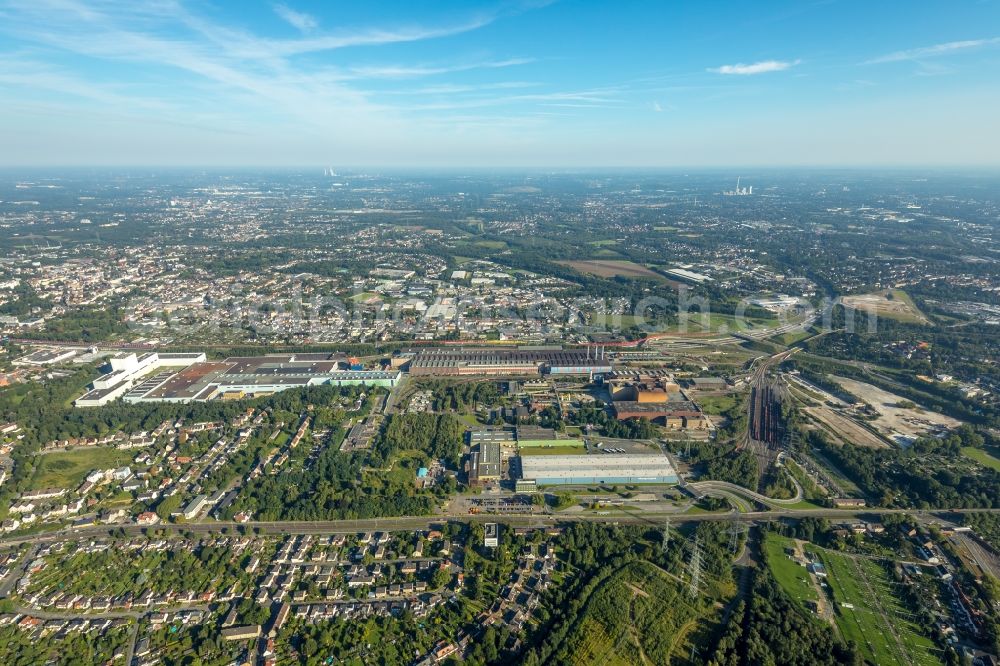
<point>334,487</point>
<point>929,474</point>
<point>986,525</point>
<point>22,300</point>
<point>739,467</point>
<point>460,396</point>
<point>777,483</point>
<point>437,436</point>
<point>85,324</point>
<point>769,628</point>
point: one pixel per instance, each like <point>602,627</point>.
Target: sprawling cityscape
<point>225,453</point>
<point>473,408</point>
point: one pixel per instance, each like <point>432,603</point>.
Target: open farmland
<point>612,268</point>
<point>891,304</point>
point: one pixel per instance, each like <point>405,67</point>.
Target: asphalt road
<point>424,522</point>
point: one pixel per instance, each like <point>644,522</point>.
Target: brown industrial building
<point>505,362</point>
<point>677,414</point>
<point>644,390</point>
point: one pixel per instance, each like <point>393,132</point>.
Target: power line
<point>694,569</point>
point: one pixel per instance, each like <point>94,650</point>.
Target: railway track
<point>763,433</point>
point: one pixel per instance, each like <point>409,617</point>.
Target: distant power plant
<point>739,191</point>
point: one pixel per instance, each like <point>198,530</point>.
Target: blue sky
<point>530,83</point>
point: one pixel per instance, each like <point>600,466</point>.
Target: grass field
<point>982,457</point>
<point>612,268</point>
<point>810,489</point>
<point>793,577</point>
<point>878,622</point>
<point>623,321</point>
<point>67,469</point>
<point>789,339</point>
<point>717,404</point>
<point>470,419</point>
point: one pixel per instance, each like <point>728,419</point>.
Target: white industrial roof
<point>568,467</point>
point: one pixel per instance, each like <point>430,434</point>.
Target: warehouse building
<point>505,362</point>
<point>533,436</point>
<point>676,415</point>
<point>488,434</point>
<point>485,463</point>
<point>125,369</point>
<point>46,357</point>
<point>597,469</point>
<point>242,633</point>
<point>246,376</point>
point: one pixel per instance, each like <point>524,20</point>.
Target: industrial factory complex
<point>163,377</point>
<point>505,362</point>
<point>530,456</point>
<point>526,456</point>
<point>190,378</point>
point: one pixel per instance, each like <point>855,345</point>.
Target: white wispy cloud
<point>239,61</point>
<point>408,71</point>
<point>937,50</point>
<point>240,78</point>
<point>456,89</point>
<point>298,20</point>
<point>762,67</point>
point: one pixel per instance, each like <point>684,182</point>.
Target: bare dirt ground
<point>845,428</point>
<point>898,307</point>
<point>611,268</point>
<point>893,420</point>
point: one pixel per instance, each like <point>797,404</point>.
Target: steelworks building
<point>505,362</point>
<point>581,470</point>
<point>240,377</point>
